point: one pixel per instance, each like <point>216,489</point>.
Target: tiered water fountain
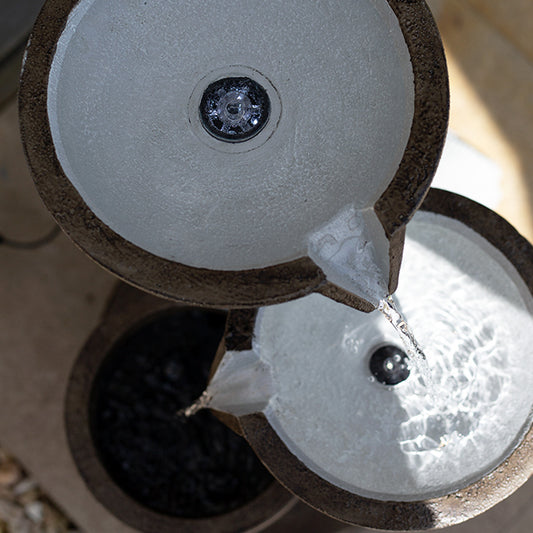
<point>244,154</point>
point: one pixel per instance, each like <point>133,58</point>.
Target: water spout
<point>242,384</point>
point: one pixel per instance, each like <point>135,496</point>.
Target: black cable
<point>31,245</point>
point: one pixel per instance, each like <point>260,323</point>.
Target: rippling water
<point>469,365</point>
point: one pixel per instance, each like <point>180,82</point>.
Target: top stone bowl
<point>237,153</point>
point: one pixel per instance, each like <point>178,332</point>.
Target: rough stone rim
<point>247,288</point>
<point>448,510</point>
<point>127,309</point>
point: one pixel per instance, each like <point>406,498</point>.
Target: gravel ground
<point>24,508</point>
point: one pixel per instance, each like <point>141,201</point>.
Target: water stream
<point>203,402</point>
<point>389,309</point>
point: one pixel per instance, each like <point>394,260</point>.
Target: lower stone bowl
<point>151,468</point>
<point>326,398</point>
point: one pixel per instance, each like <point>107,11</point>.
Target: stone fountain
<point>267,158</point>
